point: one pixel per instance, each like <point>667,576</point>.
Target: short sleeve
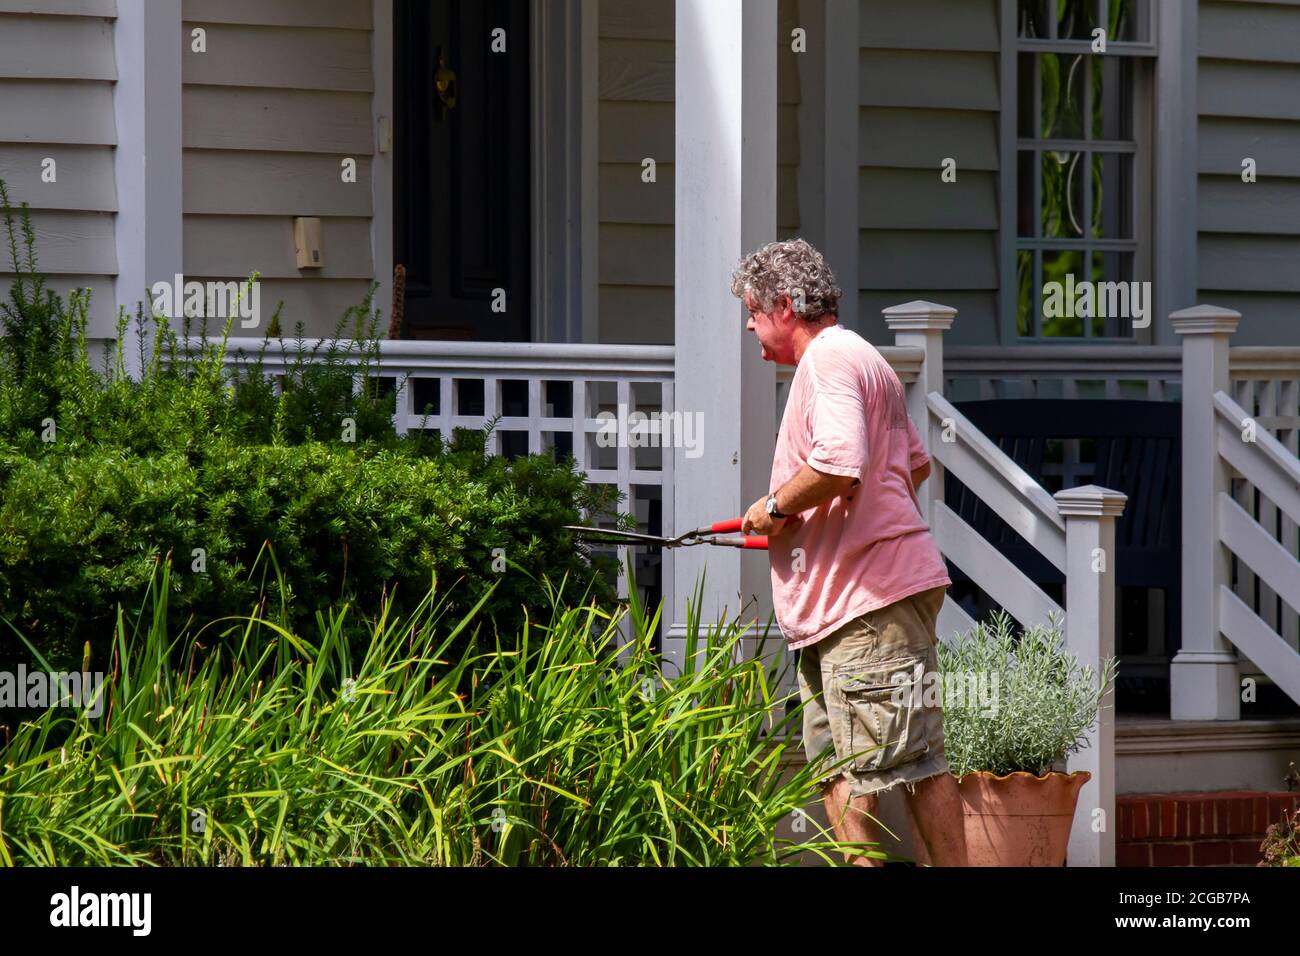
<point>916,453</point>
<point>838,419</point>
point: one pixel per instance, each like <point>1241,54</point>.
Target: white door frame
<point>563,50</point>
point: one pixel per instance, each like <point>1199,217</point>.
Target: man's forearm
<point>810,488</point>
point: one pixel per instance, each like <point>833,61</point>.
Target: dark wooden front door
<point>461,184</point>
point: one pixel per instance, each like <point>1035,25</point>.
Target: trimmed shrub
<point>102,475</point>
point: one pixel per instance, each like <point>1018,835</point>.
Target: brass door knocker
<point>444,86</point>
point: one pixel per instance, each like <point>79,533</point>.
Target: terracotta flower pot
<point>1019,819</point>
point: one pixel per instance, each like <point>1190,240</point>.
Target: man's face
<point>775,329</point>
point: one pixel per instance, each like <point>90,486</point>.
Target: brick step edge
<point>1190,852</point>
<point>1208,815</point>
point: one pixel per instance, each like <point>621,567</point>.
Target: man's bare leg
<point>850,819</point>
<point>935,806</point>
<point>919,852</point>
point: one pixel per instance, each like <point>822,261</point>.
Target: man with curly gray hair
<point>857,581</point>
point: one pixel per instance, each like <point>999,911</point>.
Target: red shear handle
<point>757,542</point>
<point>727,527</point>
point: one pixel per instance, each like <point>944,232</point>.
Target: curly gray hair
<point>787,269</point>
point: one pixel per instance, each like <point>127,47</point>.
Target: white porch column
<point>147,162</point>
<point>1090,514</point>
<point>1204,683</point>
<point>921,325</point>
<point>725,207</point>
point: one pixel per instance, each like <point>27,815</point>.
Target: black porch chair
<point>1130,446</point>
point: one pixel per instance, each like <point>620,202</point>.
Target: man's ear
<point>785,308</point>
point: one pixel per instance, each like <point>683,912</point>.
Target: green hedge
<point>81,534</point>
<point>103,474</point>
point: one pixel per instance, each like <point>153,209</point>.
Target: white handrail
<point>1264,462</point>
<point>499,358</point>
<point>1264,361</point>
<point>989,568</point>
<point>998,481</point>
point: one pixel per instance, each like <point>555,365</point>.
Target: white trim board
<point>381,164</point>
<point>563,83</point>
<point>149,231</point>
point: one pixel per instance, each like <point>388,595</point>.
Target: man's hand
<point>758,521</point>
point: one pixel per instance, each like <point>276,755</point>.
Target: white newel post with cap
<point>725,164</point>
<point>921,325</point>
<point>1204,682</point>
<point>1090,513</point>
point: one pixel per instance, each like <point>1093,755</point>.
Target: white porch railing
<point>1266,385</point>
<point>1145,372</point>
<point>1241,502</point>
<point>541,396</point>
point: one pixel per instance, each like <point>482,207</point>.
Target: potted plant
<point>1014,707</point>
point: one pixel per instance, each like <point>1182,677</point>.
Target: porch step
<point>1204,828</point>
<point>1156,754</point>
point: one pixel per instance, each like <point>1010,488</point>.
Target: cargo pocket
<point>882,705</point>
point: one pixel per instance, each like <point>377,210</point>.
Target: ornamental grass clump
<point>269,747</point>
<point>1043,699</point>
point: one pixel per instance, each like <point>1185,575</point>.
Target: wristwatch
<point>771,507</point>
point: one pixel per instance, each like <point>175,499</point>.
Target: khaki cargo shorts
<point>861,688</point>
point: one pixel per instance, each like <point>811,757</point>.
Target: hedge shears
<point>706,535</point>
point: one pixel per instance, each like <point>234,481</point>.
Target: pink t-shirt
<point>846,415</point>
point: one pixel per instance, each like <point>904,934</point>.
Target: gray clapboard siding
<point>281,57</point>
<point>636,20</point>
<point>1224,143</point>
<point>1270,206</point>
<point>318,304</point>
<point>84,176</point>
<point>626,199</point>
<point>238,245</point>
<point>930,79</point>
<point>636,315</point>
<point>928,92</point>
<point>1272,315</point>
<point>1249,31</point>
<point>929,25</point>
<point>631,132</point>
<point>977,317</point>
<point>1248,100</point>
<point>636,254</point>
<point>74,242</point>
<point>1234,88</point>
<point>927,259</point>
<point>300,121</point>
<point>102,306</point>
<point>1249,263</point>
<point>57,111</point>
<point>921,139</point>
<point>51,8</point>
<point>346,14</point>
<point>57,71</point>
<point>281,97</point>
<point>918,199</point>
<point>63,48</point>
<point>641,70</point>
<point>273,184</point>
